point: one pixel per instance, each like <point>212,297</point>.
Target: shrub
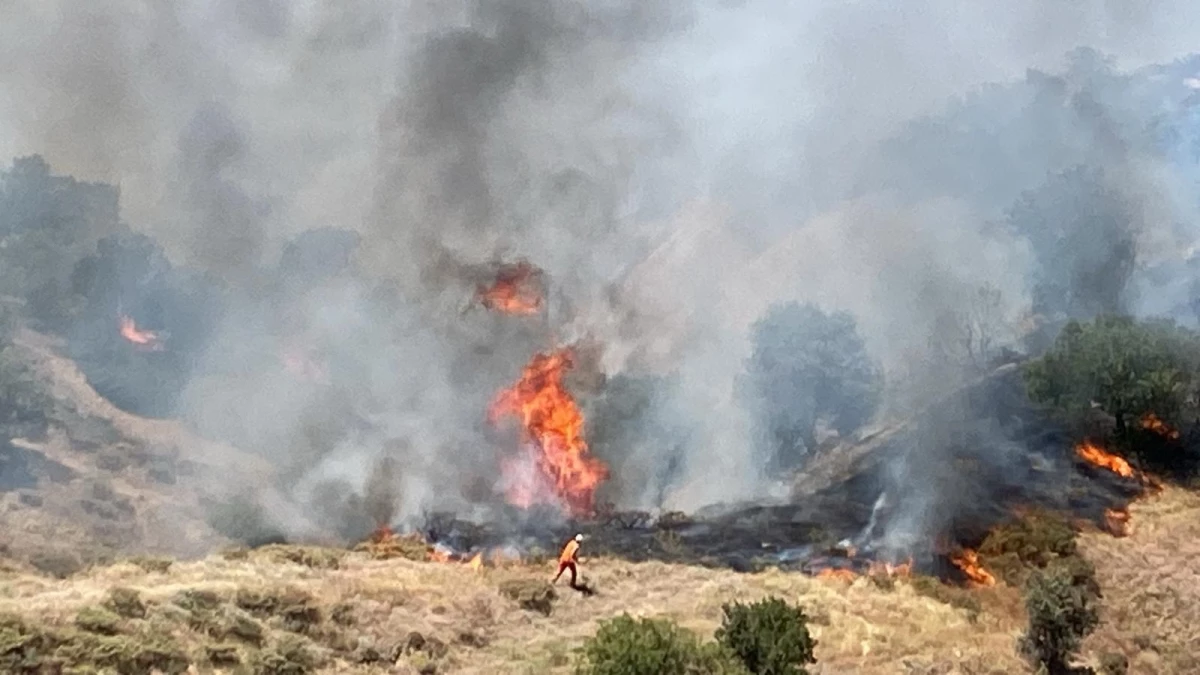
<point>98,620</point>
<point>1061,613</point>
<point>1129,368</point>
<point>531,594</point>
<point>1112,663</point>
<point>628,646</point>
<point>1032,542</point>
<point>770,636</point>
<point>125,602</point>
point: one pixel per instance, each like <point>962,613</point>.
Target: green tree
<point>1126,368</point>
<point>808,365</point>
<point>770,637</point>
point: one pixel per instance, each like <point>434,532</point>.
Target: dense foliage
<point>1127,368</point>
<point>1062,611</point>
<point>770,636</point>
<point>808,365</point>
<point>628,646</point>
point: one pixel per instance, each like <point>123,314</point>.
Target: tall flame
<point>555,467</point>
<point>514,292</point>
<point>1097,456</point>
<point>142,338</point>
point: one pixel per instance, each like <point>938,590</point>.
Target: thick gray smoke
<point>675,168</point>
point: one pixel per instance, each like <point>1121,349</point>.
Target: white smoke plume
<point>675,168</point>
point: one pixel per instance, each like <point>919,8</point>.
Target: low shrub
<point>1033,542</point>
<point>530,594</point>
<point>125,602</point>
<point>628,646</point>
<point>770,636</point>
<point>1062,611</point>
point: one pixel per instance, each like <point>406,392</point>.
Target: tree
<point>971,337</point>
<point>1127,368</point>
<point>808,365</point>
<point>1080,227</point>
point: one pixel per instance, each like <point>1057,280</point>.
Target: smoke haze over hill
<point>675,168</point>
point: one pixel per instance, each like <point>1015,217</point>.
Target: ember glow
<point>554,467</point>
<point>967,561</point>
<point>515,291</point>
<point>1097,456</point>
<point>838,574</point>
<point>1151,422</point>
<point>143,339</point>
<point>1116,521</point>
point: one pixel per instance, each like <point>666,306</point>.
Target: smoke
<point>675,168</point>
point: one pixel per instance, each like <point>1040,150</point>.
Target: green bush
<point>628,646</point>
<point>1129,368</point>
<point>770,637</point>
<point>1033,542</point>
<point>1062,612</point>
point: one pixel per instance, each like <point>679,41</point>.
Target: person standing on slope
<point>569,559</point>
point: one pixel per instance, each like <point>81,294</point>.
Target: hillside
<point>367,611</point>
<point>110,485</point>
<point>89,481</point>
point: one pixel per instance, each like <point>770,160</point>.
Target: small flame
<point>440,554</point>
<point>144,339</point>
<point>837,574</point>
<point>382,534</point>
<point>515,291</point>
<point>1150,422</point>
<point>887,569</point>
<point>476,563</point>
<point>1097,456</point>
<point>967,560</point>
<point>555,467</point>
<point>1116,521</point>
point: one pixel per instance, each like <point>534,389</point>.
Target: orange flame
<point>1097,456</point>
<point>437,554</point>
<point>1150,422</point>
<point>887,569</point>
<point>142,338</point>
<point>514,291</point>
<point>837,574</point>
<point>967,560</point>
<point>555,467</point>
<point>382,534</point>
<point>1116,521</point>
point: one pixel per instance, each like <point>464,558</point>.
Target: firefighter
<point>568,560</point>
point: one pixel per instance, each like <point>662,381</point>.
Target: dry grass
<point>860,628</point>
<point>1151,583</point>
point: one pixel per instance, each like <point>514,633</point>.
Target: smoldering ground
<point>676,168</point>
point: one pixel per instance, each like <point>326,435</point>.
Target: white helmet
<point>579,537</point>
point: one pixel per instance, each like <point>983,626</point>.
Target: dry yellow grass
<point>1151,583</point>
<point>860,628</point>
<point>1151,611</point>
